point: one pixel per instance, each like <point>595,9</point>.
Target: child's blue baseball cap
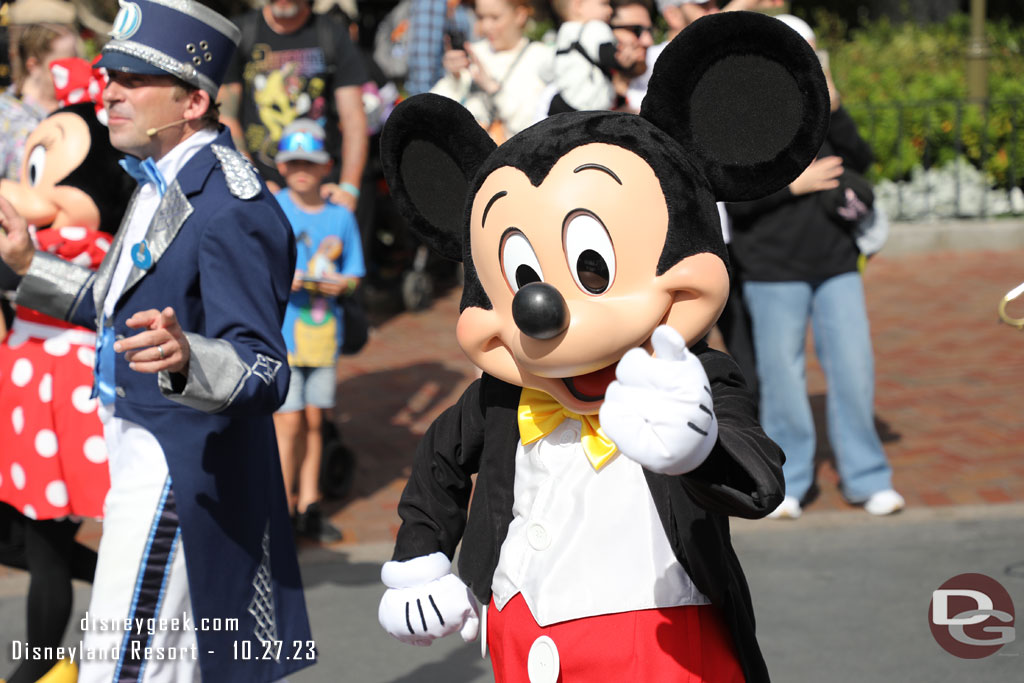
<point>303,140</point>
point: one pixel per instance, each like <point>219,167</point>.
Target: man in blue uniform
<point>197,570</point>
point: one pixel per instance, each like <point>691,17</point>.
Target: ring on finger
<point>160,348</point>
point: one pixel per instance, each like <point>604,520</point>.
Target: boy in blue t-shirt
<point>329,265</point>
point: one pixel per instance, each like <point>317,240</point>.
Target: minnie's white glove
<point>425,601</point>
<point>659,411</point>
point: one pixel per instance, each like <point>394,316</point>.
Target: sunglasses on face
<point>301,142</point>
<point>636,29</point>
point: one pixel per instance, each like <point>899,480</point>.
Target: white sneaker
<point>789,508</point>
<point>884,503</point>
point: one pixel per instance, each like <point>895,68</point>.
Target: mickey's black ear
<point>430,149</point>
<point>744,94</point>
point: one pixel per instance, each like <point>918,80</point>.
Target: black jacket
<point>787,238</point>
<point>479,435</point>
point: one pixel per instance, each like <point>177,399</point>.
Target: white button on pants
<point>542,663</point>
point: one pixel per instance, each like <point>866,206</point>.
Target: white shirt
<point>135,454</point>
<point>521,84</point>
<point>583,542</point>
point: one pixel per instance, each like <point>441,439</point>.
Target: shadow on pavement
<point>336,570</point>
<point>383,415</point>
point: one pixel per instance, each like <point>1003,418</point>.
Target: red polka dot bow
<point>75,80</point>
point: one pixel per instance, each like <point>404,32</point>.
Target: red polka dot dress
<point>53,461</point>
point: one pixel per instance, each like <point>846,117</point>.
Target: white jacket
<point>516,103</point>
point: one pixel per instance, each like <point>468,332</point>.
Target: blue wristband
<point>350,188</point>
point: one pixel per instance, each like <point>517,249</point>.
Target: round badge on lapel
<point>141,256</point>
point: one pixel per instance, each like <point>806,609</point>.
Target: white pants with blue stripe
<point>140,574</point>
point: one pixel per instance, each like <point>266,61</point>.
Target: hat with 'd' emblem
<point>178,37</point>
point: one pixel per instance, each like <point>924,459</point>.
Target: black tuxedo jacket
<point>479,435</point>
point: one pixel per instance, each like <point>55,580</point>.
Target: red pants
<point>672,645</point>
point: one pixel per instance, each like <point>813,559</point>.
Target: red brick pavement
<point>949,403</point>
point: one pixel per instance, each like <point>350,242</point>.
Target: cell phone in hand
<point>457,38</point>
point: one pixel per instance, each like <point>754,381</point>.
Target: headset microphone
<point>153,131</point>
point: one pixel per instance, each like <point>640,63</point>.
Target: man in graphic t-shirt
<point>280,73</point>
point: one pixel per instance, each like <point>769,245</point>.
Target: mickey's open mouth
<point>591,386</point>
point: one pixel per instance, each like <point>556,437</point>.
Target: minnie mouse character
<point>610,443</point>
<point>53,463</point>
<point>73,192</point>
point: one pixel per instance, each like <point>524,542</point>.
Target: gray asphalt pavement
<point>840,597</point>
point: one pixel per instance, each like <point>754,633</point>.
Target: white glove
<point>659,411</point>
<point>425,601</point>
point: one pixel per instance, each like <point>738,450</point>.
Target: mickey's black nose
<point>540,311</point>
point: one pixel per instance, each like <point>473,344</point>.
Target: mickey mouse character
<point>610,443</point>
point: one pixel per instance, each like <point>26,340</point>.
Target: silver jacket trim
<point>238,172</point>
<point>171,214</point>
<point>266,368</point>
<point>53,286</point>
<point>216,375</point>
<point>261,607</point>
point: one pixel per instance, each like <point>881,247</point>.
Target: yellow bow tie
<point>539,414</point>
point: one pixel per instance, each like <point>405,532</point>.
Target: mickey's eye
<point>36,164</point>
<point>519,261</point>
<point>589,251</point>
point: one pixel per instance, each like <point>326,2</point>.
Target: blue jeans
<point>310,386</point>
<point>779,312</point>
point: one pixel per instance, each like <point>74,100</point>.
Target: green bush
<point>905,86</point>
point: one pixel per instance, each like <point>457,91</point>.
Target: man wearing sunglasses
<point>631,25</point>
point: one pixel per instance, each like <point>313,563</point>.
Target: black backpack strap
<point>578,47</point>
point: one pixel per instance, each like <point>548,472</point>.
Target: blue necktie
<point>103,371</point>
<point>144,171</point>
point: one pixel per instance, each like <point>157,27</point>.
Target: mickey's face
<point>57,146</point>
<point>570,269</point>
<point>583,233</point>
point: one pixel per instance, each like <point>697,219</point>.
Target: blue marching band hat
<point>178,37</point>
